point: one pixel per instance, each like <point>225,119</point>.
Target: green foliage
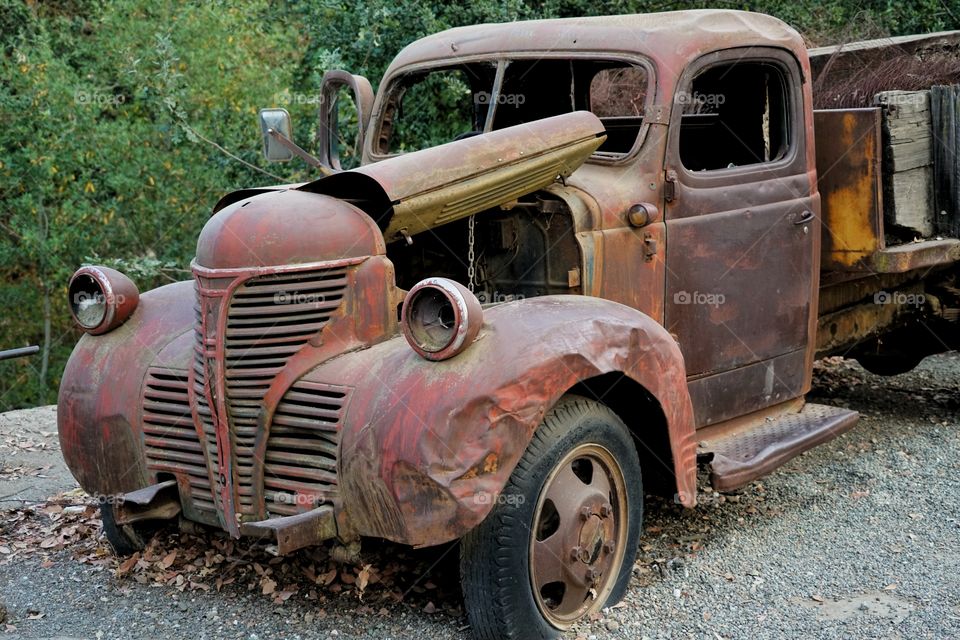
<point>122,123</point>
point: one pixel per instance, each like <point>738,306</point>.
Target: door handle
<point>805,217</point>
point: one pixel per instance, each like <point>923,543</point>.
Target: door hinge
<point>670,185</point>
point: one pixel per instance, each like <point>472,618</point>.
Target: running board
<point>743,451</point>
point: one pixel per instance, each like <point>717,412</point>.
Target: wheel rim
<point>578,535</point>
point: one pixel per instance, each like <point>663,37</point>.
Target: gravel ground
<point>856,539</point>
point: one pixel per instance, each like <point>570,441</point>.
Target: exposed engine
<point>523,249</point>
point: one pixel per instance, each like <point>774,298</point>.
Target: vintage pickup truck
<point>621,263</point>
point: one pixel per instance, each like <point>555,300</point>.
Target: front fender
<point>97,412</point>
<point>425,446</point>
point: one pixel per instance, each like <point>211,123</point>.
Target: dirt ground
<point>856,539</point>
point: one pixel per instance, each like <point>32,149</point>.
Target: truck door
<point>742,218</point>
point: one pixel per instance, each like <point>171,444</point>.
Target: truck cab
<point>600,267</point>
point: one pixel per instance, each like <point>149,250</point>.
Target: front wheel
<point>561,539</point>
<point>125,539</point>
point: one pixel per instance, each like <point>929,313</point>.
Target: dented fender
<point>427,446</point>
<point>97,412</point>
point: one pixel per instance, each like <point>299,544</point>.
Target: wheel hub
<point>575,554</point>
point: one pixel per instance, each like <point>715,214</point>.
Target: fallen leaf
<point>816,598</point>
<point>168,559</point>
<point>363,578</point>
<point>127,565</point>
<point>267,586</point>
<point>328,577</point>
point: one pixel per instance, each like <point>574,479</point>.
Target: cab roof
<point>670,38</point>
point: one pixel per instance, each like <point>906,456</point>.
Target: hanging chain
<point>471,258</point>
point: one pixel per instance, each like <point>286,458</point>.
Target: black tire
<point>889,365</point>
<point>495,560</point>
<point>125,539</point>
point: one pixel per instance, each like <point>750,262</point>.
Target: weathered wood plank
<point>907,162</point>
<point>945,116</point>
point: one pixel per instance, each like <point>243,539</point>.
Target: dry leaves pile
<point>212,561</point>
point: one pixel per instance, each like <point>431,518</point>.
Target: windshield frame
<point>392,84</point>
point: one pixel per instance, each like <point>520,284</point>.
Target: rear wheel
<point>561,539</point>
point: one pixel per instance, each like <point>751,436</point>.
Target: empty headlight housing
<point>101,298</point>
<point>440,318</point>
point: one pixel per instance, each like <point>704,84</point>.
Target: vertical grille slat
<point>172,445</point>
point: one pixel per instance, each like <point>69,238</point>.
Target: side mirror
<point>328,132</point>
<point>275,120</point>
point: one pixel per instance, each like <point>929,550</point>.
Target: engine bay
<point>522,249</point>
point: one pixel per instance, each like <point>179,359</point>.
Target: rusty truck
<point>617,264</point>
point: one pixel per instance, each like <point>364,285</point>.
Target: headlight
<point>101,299</point>
<point>440,318</point>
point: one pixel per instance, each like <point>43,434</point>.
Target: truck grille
<point>170,438</point>
<point>300,471</point>
<point>268,319</point>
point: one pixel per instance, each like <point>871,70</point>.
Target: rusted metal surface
<point>425,447</point>
<point>670,39</point>
<point>327,134</point>
<point>851,190</point>
<point>743,254</point>
<point>881,312</point>
<point>115,292</point>
<point>98,416</point>
<point>742,455</point>
<point>289,533</point>
<point>157,502</point>
<point>580,537</point>
<point>916,255</point>
<point>436,186</point>
<point>285,227</point>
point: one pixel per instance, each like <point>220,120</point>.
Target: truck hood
<point>286,227</point>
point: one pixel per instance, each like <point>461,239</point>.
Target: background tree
<point>122,123</point>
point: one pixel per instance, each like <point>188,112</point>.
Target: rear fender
<point>426,447</point>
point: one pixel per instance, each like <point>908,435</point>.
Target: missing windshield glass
<point>430,107</point>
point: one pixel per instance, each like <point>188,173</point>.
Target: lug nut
<point>585,513</point>
<point>608,546</point>
<point>605,510</point>
<point>591,576</point>
<point>575,553</point>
